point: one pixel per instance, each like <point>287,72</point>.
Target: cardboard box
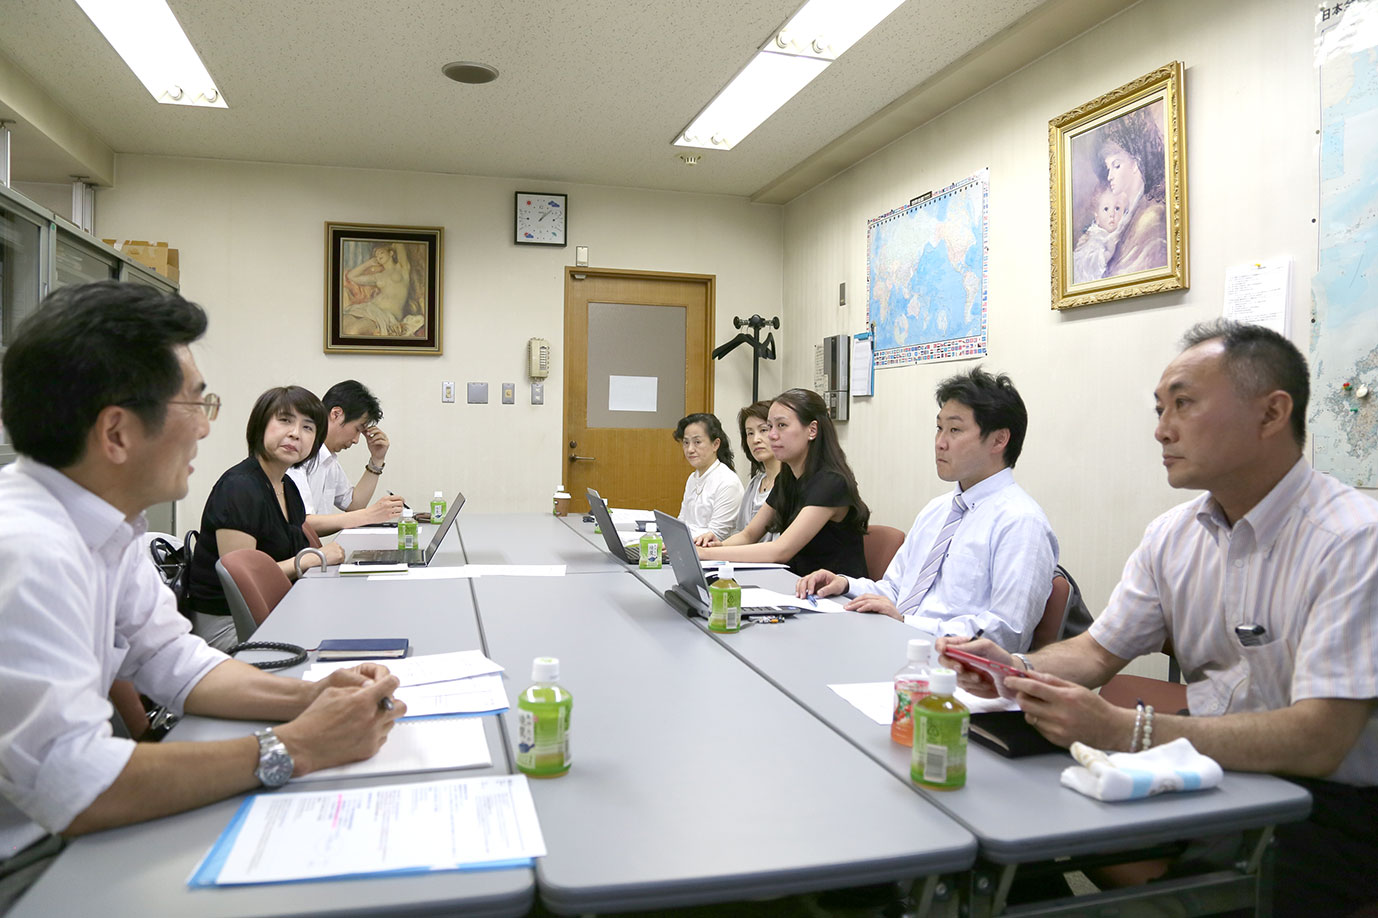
<point>155,255</point>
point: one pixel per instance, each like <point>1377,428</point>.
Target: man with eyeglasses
<point>105,405</point>
<point>352,411</point>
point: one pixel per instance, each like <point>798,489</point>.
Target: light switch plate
<point>478,393</point>
<point>538,393</point>
<point>509,393</point>
<point>447,391</point>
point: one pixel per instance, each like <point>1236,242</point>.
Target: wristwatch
<point>274,762</point>
<point>1025,660</point>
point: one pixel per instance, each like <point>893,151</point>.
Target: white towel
<point>1174,766</point>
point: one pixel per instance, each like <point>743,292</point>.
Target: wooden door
<point>638,349</point>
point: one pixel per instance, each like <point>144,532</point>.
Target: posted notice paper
<point>459,824</point>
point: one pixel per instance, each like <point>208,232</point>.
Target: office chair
<point>1049,627</point>
<point>253,584</point>
<point>881,543</point>
<point>311,537</point>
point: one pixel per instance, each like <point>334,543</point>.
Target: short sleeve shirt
<point>243,499</point>
<point>838,547</point>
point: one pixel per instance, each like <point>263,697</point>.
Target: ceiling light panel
<point>148,37</point>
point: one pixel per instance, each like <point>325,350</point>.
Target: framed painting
<point>1119,193</point>
<point>382,289</point>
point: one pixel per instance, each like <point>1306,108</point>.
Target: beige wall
<point>1086,375</point>
<point>252,252</point>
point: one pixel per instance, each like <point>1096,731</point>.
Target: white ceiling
<point>590,91</point>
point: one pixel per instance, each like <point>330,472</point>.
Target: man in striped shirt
<point>1267,588</point>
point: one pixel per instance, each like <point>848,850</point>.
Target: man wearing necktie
<point>979,560</point>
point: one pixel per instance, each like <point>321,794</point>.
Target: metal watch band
<point>274,761</point>
<point>1023,659</point>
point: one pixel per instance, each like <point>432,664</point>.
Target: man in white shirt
<point>105,405</point>
<point>352,411</point>
<point>1266,586</point>
<point>978,560</point>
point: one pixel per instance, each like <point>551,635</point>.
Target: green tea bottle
<point>939,760</point>
<point>543,712</point>
<point>725,602</point>
<point>652,549</point>
<point>438,507</point>
<point>407,531</point>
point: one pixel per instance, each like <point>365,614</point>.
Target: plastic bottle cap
<point>650,527</point>
<point>439,494</point>
<point>545,669</point>
<point>942,681</point>
<point>407,513</point>
<point>920,650</point>
<point>725,572</point>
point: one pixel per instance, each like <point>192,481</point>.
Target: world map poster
<point>926,272</point>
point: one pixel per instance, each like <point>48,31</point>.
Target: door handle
<point>574,458</point>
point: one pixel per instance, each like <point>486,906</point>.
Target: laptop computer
<point>690,591</point>
<point>416,557</point>
<point>616,547</point>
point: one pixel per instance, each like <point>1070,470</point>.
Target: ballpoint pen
<point>385,703</point>
<point>812,599</point>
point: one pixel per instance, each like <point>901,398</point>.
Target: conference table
<point>1020,814</point>
<point>695,779</point>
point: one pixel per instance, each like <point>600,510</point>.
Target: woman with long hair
<point>713,491</point>
<point>255,504</point>
<point>815,505</point>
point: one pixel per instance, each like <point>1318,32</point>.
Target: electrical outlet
<point>537,393</point>
<point>447,392</point>
<point>509,393</point>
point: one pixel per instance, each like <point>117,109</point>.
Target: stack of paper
<point>459,824</point>
<point>438,685</point>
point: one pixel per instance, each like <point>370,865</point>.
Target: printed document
<point>456,824</point>
<point>475,695</point>
<point>430,744</point>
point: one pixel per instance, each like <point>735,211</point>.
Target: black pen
<point>385,703</point>
<point>404,503</point>
<point>979,632</point>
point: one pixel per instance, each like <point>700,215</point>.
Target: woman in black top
<point>815,505</point>
<point>255,504</point>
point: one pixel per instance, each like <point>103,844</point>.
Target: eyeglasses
<point>209,404</point>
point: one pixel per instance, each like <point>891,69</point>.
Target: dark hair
<point>353,398</point>
<point>89,347</point>
<point>1140,136</point>
<point>825,453</point>
<point>994,402</point>
<point>282,398</point>
<point>1258,361</point>
<point>713,427</point>
<point>761,411</point>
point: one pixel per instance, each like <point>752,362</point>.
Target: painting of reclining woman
<point>383,290</point>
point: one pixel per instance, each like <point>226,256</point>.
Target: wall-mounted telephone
<point>538,358</point>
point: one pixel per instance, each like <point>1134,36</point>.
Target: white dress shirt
<point>711,499</point>
<point>80,606</point>
<point>1300,563</point>
<point>998,571</point>
<point>324,486</point>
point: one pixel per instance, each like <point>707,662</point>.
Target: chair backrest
<point>1049,627</point>
<point>253,584</point>
<point>881,543</point>
<point>311,536</point>
<point>129,708</point>
<point>1125,690</point>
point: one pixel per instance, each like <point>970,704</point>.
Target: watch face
<point>274,763</point>
<point>541,218</point>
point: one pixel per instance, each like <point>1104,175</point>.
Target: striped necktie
<point>934,563</point>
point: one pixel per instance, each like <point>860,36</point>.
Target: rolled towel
<point>1174,766</point>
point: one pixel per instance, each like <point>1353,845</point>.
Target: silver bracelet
<point>1029,667</point>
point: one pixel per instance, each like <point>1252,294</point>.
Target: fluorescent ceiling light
<point>147,35</point>
<point>816,35</point>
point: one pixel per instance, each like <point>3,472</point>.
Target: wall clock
<point>541,219</point>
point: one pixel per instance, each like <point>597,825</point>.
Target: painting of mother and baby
<point>1119,195</point>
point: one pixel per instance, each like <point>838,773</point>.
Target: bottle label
<point>725,612</point>
<point>437,510</point>
<point>908,691</point>
<point>940,748</point>
<point>543,740</point>
<point>650,553</point>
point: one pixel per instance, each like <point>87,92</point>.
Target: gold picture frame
<point>383,289</point>
<point>1119,193</point>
